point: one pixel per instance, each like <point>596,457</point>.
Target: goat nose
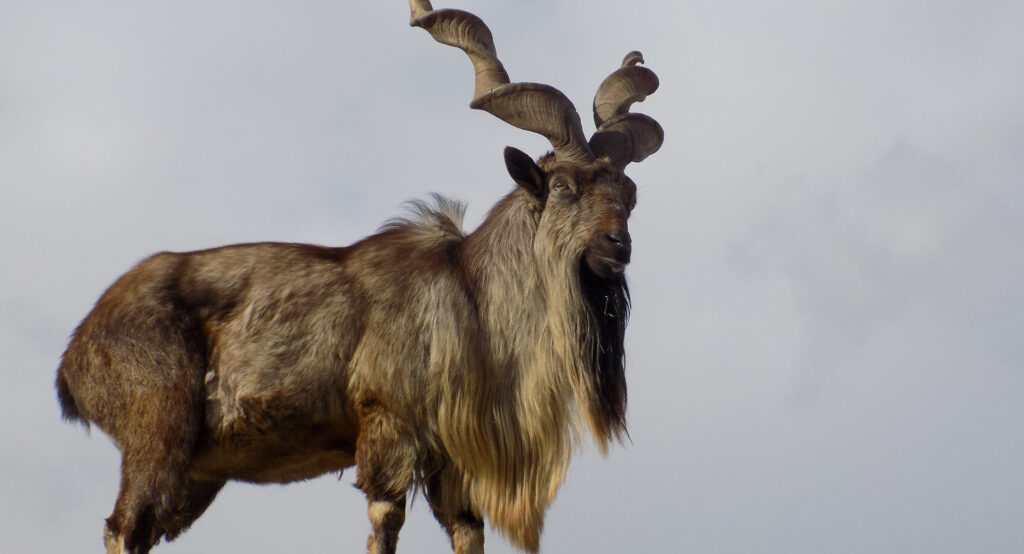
<point>620,238</point>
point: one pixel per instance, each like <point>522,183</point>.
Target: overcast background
<point>826,348</point>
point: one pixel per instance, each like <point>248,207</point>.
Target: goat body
<point>464,364</point>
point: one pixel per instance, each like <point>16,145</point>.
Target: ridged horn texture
<point>622,136</point>
<point>532,107</point>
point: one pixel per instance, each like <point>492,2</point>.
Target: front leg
<point>467,534</point>
<point>385,462</point>
<point>386,519</point>
<point>453,511</point>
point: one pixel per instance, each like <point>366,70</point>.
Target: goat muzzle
<point>609,253</point>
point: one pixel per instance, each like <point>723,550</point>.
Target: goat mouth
<point>605,267</point>
<point>613,266</point>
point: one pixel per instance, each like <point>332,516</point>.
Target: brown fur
<point>465,364</point>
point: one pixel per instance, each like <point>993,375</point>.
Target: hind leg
<point>198,497</point>
<point>148,498</point>
<point>113,542</point>
<point>157,436</point>
<point>140,518</point>
<point>131,527</point>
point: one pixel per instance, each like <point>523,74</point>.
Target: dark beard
<point>607,302</point>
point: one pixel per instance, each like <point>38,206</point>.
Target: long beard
<point>607,302</point>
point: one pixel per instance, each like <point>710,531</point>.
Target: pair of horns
<point>621,136</point>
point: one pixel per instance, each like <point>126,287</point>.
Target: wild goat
<point>465,364</point>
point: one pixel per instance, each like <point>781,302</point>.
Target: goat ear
<point>524,171</point>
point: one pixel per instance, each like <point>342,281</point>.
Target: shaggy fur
<point>463,364</point>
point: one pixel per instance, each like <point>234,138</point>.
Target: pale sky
<point>826,352</point>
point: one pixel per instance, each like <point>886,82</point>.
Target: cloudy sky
<point>827,347</point>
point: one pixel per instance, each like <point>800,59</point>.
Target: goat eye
<point>559,185</point>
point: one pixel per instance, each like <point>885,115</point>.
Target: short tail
<point>68,407</point>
